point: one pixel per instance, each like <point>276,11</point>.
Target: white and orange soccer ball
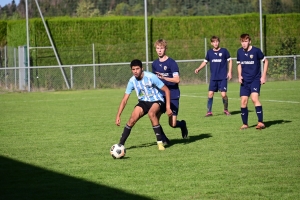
<point>117,151</point>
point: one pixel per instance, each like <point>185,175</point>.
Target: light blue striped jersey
<point>147,89</point>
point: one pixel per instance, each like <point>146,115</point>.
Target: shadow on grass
<point>274,122</point>
<point>191,139</point>
<point>22,181</point>
<point>235,112</point>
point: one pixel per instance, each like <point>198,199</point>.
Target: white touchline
<point>277,101</point>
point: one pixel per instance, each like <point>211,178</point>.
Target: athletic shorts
<point>146,105</point>
<point>174,106</point>
<point>219,85</point>
<point>247,88</point>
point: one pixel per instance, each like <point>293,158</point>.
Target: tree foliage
<point>158,8</point>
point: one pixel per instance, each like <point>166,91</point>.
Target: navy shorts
<point>174,106</point>
<point>219,85</point>
<point>146,105</point>
<point>247,88</point>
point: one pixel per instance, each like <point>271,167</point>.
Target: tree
<point>86,8</point>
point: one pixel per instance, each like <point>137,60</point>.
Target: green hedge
<point>121,39</point>
<point>125,36</point>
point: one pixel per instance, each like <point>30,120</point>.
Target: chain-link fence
<point>114,75</point>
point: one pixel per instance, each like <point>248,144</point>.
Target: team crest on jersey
<point>165,68</point>
<point>220,54</point>
<point>251,56</point>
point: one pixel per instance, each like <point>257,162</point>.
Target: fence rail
<point>115,75</point>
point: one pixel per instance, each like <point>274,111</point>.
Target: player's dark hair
<point>245,36</point>
<point>214,38</point>
<point>136,62</point>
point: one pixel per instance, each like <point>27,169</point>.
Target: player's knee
<point>152,115</point>
<point>131,122</point>
<point>173,125</point>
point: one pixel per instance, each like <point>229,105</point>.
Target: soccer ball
<point>117,151</point>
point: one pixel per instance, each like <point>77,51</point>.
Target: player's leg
<point>152,114</point>
<point>164,138</point>
<point>213,87</point>
<point>136,114</point>
<point>255,89</point>
<point>244,94</point>
<point>174,123</point>
<point>223,89</point>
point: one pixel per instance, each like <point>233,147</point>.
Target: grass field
<point>55,145</point>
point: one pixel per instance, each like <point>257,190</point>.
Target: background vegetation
<point>158,8</point>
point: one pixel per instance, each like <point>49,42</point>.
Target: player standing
<point>167,70</point>
<point>220,60</point>
<point>151,101</point>
<point>251,78</point>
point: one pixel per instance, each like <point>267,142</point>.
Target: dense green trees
<point>88,8</point>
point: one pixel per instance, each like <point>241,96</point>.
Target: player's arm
<point>263,78</point>
<point>121,108</point>
<point>200,67</point>
<point>174,79</point>
<point>229,75</point>
<point>239,69</point>
<point>168,101</point>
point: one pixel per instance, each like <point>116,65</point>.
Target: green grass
<point>55,145</point>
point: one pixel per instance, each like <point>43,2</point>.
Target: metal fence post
<point>5,72</point>
<point>295,68</point>
<point>94,68</point>
<point>71,75</point>
<point>15,65</point>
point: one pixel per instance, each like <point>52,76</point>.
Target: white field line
<point>205,97</point>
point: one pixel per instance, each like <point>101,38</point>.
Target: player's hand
<point>229,76</point>
<point>240,79</point>
<point>262,80</point>
<point>159,75</point>
<point>118,121</point>
<point>197,71</point>
<point>169,112</point>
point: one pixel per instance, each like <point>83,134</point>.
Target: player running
<point>167,70</point>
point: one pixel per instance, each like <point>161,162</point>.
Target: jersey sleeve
<point>129,87</point>
<point>227,55</point>
<point>206,57</point>
<point>260,55</point>
<point>174,68</point>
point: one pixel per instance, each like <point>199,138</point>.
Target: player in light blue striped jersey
<point>148,88</point>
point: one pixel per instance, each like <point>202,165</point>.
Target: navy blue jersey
<point>218,63</point>
<point>168,68</point>
<point>250,62</point>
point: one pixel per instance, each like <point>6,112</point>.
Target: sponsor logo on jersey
<point>216,60</point>
<point>247,62</point>
<point>164,74</point>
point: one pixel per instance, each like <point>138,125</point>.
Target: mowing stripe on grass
<point>277,101</point>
